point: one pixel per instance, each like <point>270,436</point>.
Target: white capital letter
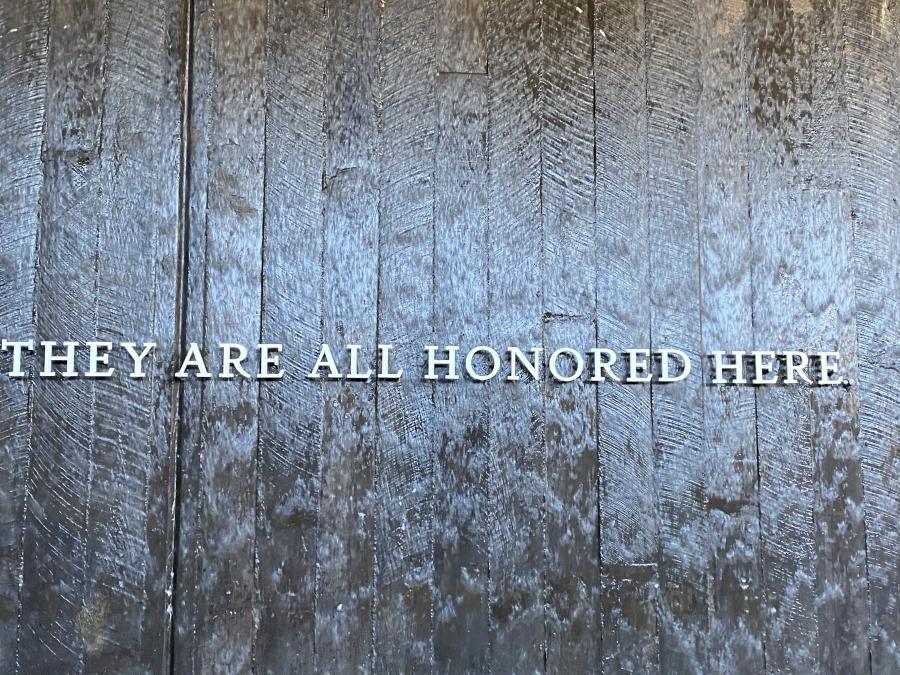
<point>325,360</point>
<point>385,371</point>
<point>17,348</point>
<point>50,359</point>
<point>470,365</point>
<point>798,368</point>
<point>829,368</point>
<point>268,360</point>
<point>194,359</point>
<point>138,359</point>
<point>576,357</point>
<point>763,369</point>
<point>685,365</point>
<point>517,356</point>
<point>449,363</point>
<point>354,373</point>
<point>602,365</point>
<point>721,367</point>
<point>634,365</point>
<point>96,359</point>
<point>230,361</point>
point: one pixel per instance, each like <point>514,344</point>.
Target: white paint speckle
<point>579,10</point>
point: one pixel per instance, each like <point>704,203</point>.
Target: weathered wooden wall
<point>700,174</point>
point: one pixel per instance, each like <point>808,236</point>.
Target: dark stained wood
<point>96,564</point>
<point>346,548</point>
<point>820,291</point>
<point>56,628</point>
<point>518,466</point>
<point>629,530</point>
<point>672,39</point>
<point>840,523</point>
<point>872,34</point>
<point>737,628</point>
<point>779,101</point>
<point>404,482</point>
<point>217,618</point>
<point>461,42</point>
<point>190,430</point>
<point>290,410</point>
<point>462,414</point>
<point>129,536</point>
<point>23,51</point>
<point>572,580</point>
<point>672,173</point>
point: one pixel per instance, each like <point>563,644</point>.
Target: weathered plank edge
<point>180,339</point>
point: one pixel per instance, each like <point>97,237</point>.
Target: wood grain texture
<point>129,534</point>
<point>218,594</point>
<point>817,266</point>
<point>843,602</point>
<point>461,41</point>
<point>55,552</point>
<point>872,34</point>
<point>290,414</point>
<point>60,628</point>
<point>780,107</point>
<point>462,411</point>
<point>24,32</point>
<point>190,431</point>
<point>96,567</point>
<point>345,611</point>
<point>404,551</point>
<point>518,462</point>
<point>572,580</point>
<point>671,173</point>
<point>629,524</point>
<point>737,628</point>
<point>672,40</point>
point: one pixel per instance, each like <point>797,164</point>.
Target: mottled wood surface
<point>668,173</point>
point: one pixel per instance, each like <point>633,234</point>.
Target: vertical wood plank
<point>291,409</point>
<point>126,599</point>
<point>461,294</point>
<point>97,538</point>
<point>779,105</point>
<point>312,550</point>
<point>57,629</point>
<point>23,49</point>
<point>461,43</point>
<point>461,522</point>
<point>672,100</point>
<point>629,529</point>
<point>737,616</point>
<point>822,293</point>
<point>407,115</point>
<point>217,618</point>
<point>518,468</point>
<point>344,611</point>
<point>189,485</point>
<point>572,575</point>
<point>872,33</point>
<point>840,522</point>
